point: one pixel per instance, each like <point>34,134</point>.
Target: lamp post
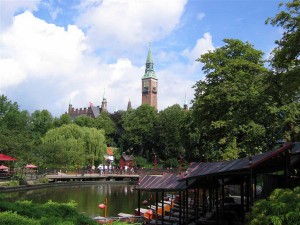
<point>155,162</point>
<point>104,206</point>
<point>180,163</point>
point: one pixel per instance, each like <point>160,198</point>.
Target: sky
<point>56,52</point>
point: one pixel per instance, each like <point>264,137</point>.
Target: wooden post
<point>106,206</point>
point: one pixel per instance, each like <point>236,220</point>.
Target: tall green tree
<point>169,123</point>
<point>138,128</point>
<point>285,64</point>
<point>80,145</point>
<point>64,119</point>
<point>85,121</point>
<point>15,137</point>
<point>41,121</point>
<point>105,123</point>
<point>228,107</point>
<point>286,54</point>
<point>189,133</point>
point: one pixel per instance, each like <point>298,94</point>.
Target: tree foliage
<point>287,52</point>
<point>228,106</point>
<point>282,208</point>
<point>138,126</point>
<point>285,62</point>
<point>80,145</point>
<point>167,131</point>
<point>29,213</point>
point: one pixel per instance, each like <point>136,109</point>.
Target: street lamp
<point>155,162</point>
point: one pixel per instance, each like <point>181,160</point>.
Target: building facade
<point>91,111</point>
<point>149,83</point>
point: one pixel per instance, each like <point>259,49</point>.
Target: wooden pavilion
<point>207,183</point>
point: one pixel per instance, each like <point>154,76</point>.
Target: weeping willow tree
<point>71,145</point>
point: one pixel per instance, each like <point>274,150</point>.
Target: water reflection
<point>121,197</point>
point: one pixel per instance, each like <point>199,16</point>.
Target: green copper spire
<point>149,71</point>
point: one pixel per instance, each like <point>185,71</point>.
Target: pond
<point>121,197</point>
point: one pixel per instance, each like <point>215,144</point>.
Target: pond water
<point>121,197</point>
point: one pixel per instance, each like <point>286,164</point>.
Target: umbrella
<point>6,158</point>
<point>31,166</point>
<point>2,167</point>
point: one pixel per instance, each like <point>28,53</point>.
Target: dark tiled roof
<point>261,162</point>
<point>95,111</point>
<point>127,157</point>
<point>109,151</point>
<point>202,173</point>
<point>165,182</point>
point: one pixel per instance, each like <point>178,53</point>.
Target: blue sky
<point>56,51</point>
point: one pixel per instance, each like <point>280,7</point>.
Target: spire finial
<point>104,94</point>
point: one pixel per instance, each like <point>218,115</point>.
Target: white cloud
<point>42,49</point>
<point>172,88</point>
<point>8,8</point>
<point>119,24</point>
<point>44,66</point>
<point>11,73</point>
<point>202,46</point>
<point>50,65</point>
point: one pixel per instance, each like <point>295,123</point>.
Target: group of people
<point>104,169</point>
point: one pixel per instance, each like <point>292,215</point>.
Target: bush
<point>172,163</point>
<point>282,208</point>
<point>10,218</point>
<point>140,162</point>
<point>42,214</point>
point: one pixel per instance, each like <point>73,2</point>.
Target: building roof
<point>127,157</point>
<point>204,173</point>
<point>266,162</point>
<point>149,71</point>
<point>109,151</point>
<point>168,182</point>
<point>95,110</point>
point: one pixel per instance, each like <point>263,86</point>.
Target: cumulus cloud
<point>44,66</point>
<point>202,46</point>
<point>122,24</point>
<point>40,49</point>
<point>8,9</point>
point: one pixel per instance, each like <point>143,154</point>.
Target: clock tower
<point>149,83</point>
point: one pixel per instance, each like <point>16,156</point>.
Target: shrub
<point>43,214</point>
<point>282,208</point>
<point>172,163</point>
<point>140,162</point>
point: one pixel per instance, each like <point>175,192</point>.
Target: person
<point>100,167</point>
<point>132,170</point>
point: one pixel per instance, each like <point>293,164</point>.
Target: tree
<point>285,63</point>
<point>190,134</point>
<point>138,128</point>
<point>85,121</point>
<point>116,117</point>
<point>282,207</point>
<point>287,52</point>
<point>41,121</point>
<point>15,138</point>
<point>228,106</point>
<point>105,123</point>
<point>81,145</point>
<point>167,131</point>
<point>64,119</point>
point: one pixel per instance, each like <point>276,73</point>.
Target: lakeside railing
<point>136,171</point>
